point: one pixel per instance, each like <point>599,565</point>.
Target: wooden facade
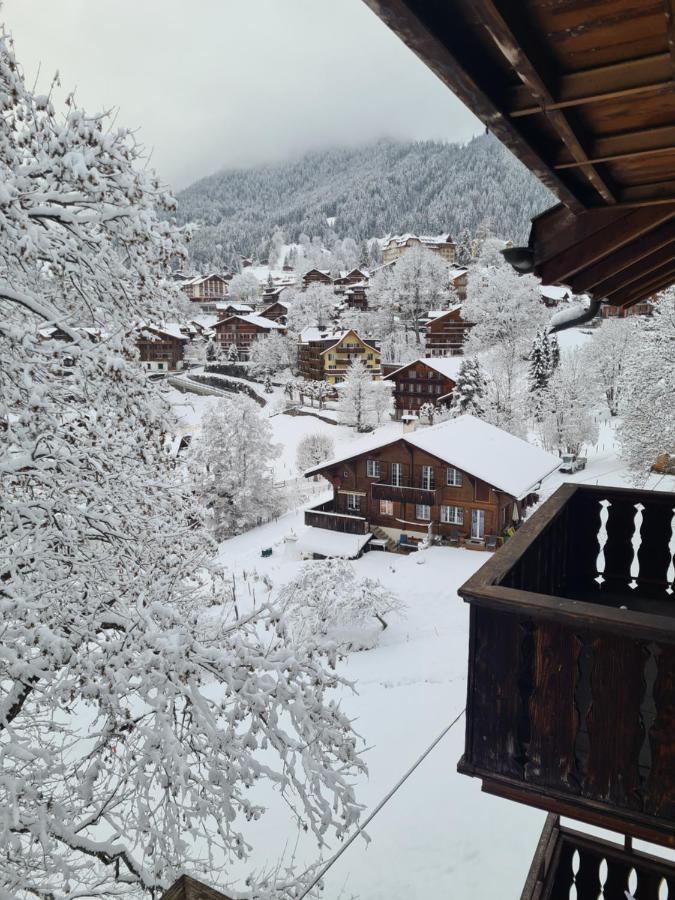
<point>356,296</point>
<point>276,312</point>
<point>346,279</point>
<point>401,488</point>
<point>243,331</point>
<point>316,276</point>
<point>325,356</point>
<point>159,350</point>
<point>206,288</point>
<point>186,888</point>
<point>445,333</point>
<point>418,383</point>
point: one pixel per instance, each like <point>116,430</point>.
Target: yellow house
<point>325,356</point>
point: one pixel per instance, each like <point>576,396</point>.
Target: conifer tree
<point>468,395</point>
<point>233,353</point>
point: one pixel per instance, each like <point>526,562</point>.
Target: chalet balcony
<point>572,662</point>
<point>325,516</point>
<point>403,494</point>
<point>595,868</point>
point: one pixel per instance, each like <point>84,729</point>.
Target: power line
<point>379,806</point>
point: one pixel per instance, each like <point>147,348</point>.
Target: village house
<point>243,330</point>
<point>356,296</point>
<point>445,332</point>
<point>161,348</point>
<point>459,280</point>
<point>346,279</point>
<point>428,380</point>
<point>463,481</point>
<point>641,308</point>
<point>325,355</point>
<point>233,309</point>
<point>206,289</point>
<point>272,292</point>
<point>397,244</point>
<point>316,276</point>
<point>276,312</point>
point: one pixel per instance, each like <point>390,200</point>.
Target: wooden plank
<point>661,785</point>
<point>650,286</point>
<point>426,42</point>
<point>542,856</point>
<point>638,271</point>
<point>519,55</point>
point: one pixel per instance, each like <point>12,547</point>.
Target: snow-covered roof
<point>555,292</point>
<point>170,329</point>
<point>314,333</point>
<point>437,313</point>
<point>200,279</point>
<point>320,271</point>
<point>457,272</point>
<point>240,307</point>
<point>498,458</point>
<point>446,365</point>
<point>331,543</point>
<point>401,239</point>
<point>260,321</point>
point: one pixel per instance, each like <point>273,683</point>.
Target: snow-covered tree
<point>277,242</point>
<point>542,365</point>
<point>244,288</point>
<point>507,310</point>
<point>468,394</point>
<point>313,449</point>
<point>327,601</point>
<point>127,744</point>
<point>399,347</point>
<point>608,354</point>
<point>426,412</point>
<point>464,245</point>
<point>268,385</point>
<point>648,387</point>
<point>419,282</point>
<point>314,306</point>
<point>212,350</point>
<point>363,402</point>
<point>273,354</point>
<point>231,463</point>
<point>566,419</point>
<point>233,353</point>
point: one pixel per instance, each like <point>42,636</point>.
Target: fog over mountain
<point>387,186</point>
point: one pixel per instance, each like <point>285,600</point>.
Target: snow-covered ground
<point>439,835</point>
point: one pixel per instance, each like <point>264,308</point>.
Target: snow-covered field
<point>439,835</point>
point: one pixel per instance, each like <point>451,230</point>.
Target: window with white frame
<point>373,468</point>
<point>452,515</point>
<point>454,478</point>
<point>397,474</point>
<point>423,512</point>
<point>353,502</point>
<point>428,477</point>
<point>386,507</point>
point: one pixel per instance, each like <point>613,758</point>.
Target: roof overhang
<point>584,95</point>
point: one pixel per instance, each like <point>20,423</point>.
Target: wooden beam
<point>639,270</point>
<point>519,58</point>
<point>669,10</point>
<point>639,249</point>
<point>594,247</point>
<point>444,61</point>
<point>659,192</point>
<point>628,154</point>
<point>647,75</point>
<point>656,282</point>
<point>629,141</point>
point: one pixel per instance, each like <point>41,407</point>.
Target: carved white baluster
<point>670,575</point>
<point>602,540</point>
<point>603,871</point>
<point>636,541</point>
<point>576,863</point>
<point>632,883</point>
<point>663,890</point>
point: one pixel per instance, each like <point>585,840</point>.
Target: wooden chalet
<point>396,246</point>
<point>276,312</point>
<point>454,481</point>
<point>356,296</point>
<point>445,332</point>
<point>345,279</point>
<point>233,309</point>
<point>242,331</point>
<point>272,293</point>
<point>316,276</point>
<point>459,280</point>
<point>206,288</point>
<point>187,888</point>
<point>429,380</point>
<point>643,308</point>
<point>161,348</point>
<point>325,355</point>
<point>571,682</point>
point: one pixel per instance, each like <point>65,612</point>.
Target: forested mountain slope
<point>388,186</point>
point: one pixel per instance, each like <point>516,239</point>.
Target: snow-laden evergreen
<point>363,402</point>
<point>425,187</point>
<point>468,395</point>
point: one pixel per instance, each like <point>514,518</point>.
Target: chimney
<point>409,422</point>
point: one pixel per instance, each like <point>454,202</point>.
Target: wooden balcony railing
<point>595,868</point>
<point>325,516</point>
<point>403,494</point>
<point>571,693</point>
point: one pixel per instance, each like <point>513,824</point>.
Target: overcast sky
<point>216,83</point>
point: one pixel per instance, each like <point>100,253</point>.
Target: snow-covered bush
<point>327,602</point>
<point>126,673</point>
<point>363,402</point>
<point>273,354</point>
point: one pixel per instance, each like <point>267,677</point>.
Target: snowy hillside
<point>389,186</point>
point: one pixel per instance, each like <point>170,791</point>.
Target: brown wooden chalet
<point>455,481</point>
<point>242,331</point>
<point>161,348</point>
<point>571,683</point>
<point>325,354</point>
<point>423,381</point>
<point>316,276</point>
<point>445,332</point>
<point>356,296</point>
<point>345,279</point>
<point>187,888</point>
<point>206,288</point>
<point>276,312</point>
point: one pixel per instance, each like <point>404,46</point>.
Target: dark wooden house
<point>276,312</point>
<point>345,279</point>
<point>455,481</point>
<point>571,682</point>
<point>161,348</point>
<point>242,331</point>
<point>429,380</point>
<point>445,332</point>
<point>316,276</point>
<point>356,296</point>
<point>206,288</point>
